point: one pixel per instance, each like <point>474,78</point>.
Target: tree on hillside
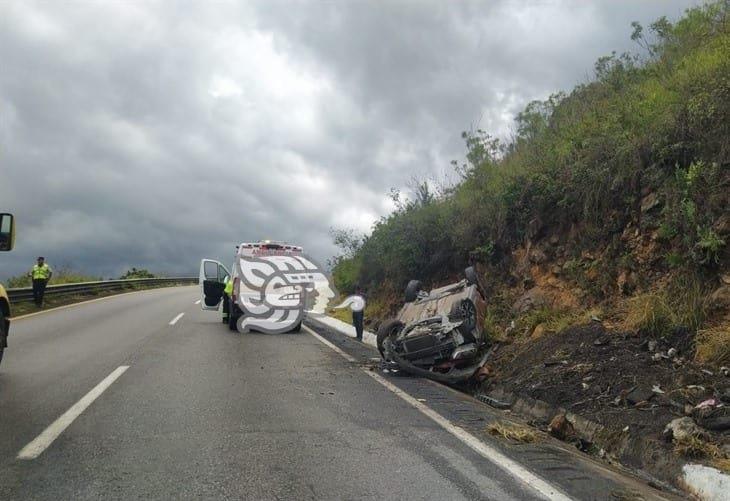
<point>135,273</point>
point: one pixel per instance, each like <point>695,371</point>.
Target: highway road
<point>146,396</point>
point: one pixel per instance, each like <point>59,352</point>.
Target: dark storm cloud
<point>152,134</point>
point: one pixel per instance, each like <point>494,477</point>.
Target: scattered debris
<point>725,371</point>
<point>683,429</point>
<point>583,445</point>
<point>709,403</point>
<point>638,395</point>
<point>561,428</point>
<point>512,431</point>
<point>497,404</point>
<point>620,377</point>
<point>483,373</point>
<point>549,363</point>
<point>719,423</point>
<point>626,495</point>
<point>672,352</point>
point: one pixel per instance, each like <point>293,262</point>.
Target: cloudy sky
<point>154,133</point>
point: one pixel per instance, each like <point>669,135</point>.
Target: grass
<point>512,431</point>
<point>722,464</point>
<point>697,448</point>
<point>682,303</point>
<point>576,157</point>
<point>649,313</point>
<point>556,320</point>
<point>60,276</point>
<point>713,345</point>
<point>344,314</point>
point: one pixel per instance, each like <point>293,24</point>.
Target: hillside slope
<point>609,211</point>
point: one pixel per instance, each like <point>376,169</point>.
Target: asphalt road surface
<point>123,398</point>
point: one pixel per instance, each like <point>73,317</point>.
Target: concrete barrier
<point>344,328</point>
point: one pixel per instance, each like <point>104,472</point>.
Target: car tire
<point>297,328</point>
<point>466,312</point>
<point>389,328</point>
<point>471,276</point>
<point>412,290</point>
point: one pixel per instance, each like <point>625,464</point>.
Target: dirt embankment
<point>619,391</point>
<point>616,338</point>
<point>620,342</point>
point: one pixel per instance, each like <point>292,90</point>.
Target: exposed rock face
<point>626,282</point>
<point>682,429</point>
<point>649,202</point>
<point>537,256</point>
<point>561,428</point>
<point>533,298</point>
<point>540,331</point>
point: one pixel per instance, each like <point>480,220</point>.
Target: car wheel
<point>412,290</point>
<point>466,312</point>
<point>471,276</point>
<point>389,328</point>
<point>297,328</point>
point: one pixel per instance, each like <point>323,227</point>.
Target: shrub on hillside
<point>656,123</point>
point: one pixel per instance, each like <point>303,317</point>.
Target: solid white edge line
<point>46,438</point>
<point>327,343</point>
<point>174,320</point>
<point>489,453</point>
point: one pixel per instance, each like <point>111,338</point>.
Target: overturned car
<point>437,334</point>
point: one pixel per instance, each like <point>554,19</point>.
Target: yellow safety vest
<point>41,272</point>
<point>229,287</point>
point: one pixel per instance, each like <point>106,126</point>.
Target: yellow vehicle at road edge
<point>7,240</point>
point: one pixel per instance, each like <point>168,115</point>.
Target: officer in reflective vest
<point>40,274</point>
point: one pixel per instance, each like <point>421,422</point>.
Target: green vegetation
<point>53,301</point>
<point>65,275</point>
<point>713,345</point>
<point>629,174</point>
<point>652,123</point>
<point>135,273</point>
<point>61,275</point>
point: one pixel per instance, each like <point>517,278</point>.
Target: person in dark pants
<point>40,274</point>
<point>358,317</point>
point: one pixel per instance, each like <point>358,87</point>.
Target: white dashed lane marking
<point>42,441</point>
<point>174,320</point>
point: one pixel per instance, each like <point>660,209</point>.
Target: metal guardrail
<point>81,288</point>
